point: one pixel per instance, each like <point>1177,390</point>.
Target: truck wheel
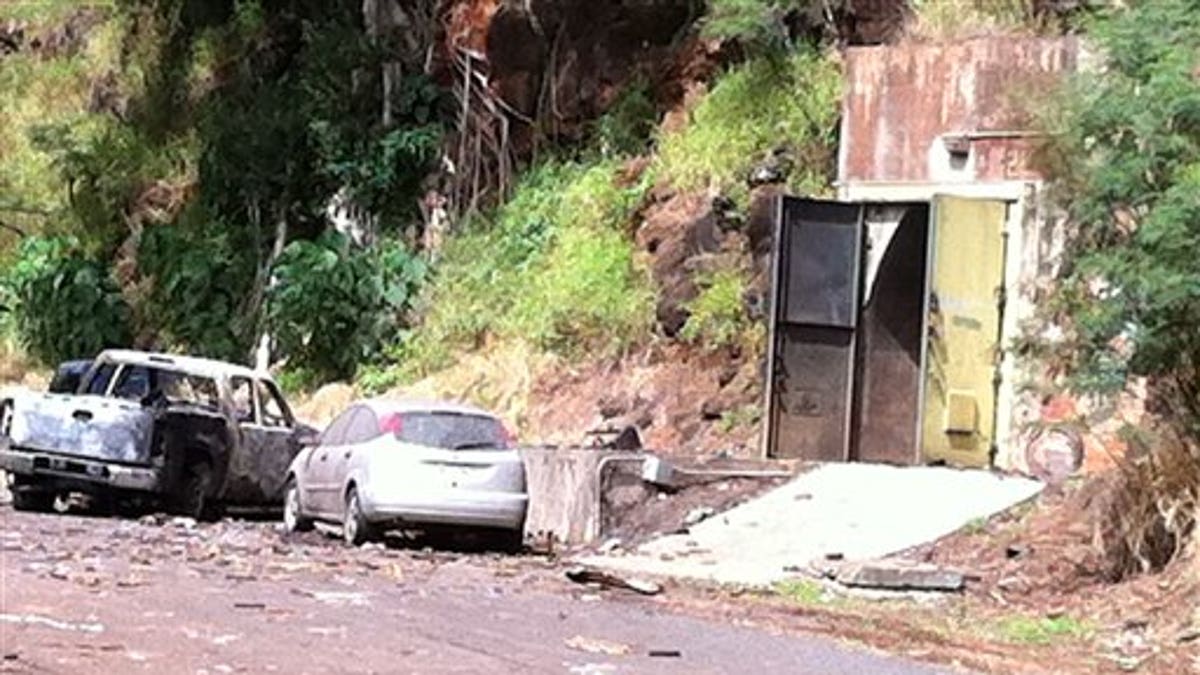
<point>193,500</point>
<point>355,528</point>
<point>293,516</point>
<point>32,499</point>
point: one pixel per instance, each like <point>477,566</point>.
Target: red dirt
<point>1046,560</point>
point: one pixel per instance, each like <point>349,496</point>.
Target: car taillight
<point>509,438</point>
<point>392,424</point>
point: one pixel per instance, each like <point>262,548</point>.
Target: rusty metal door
<point>964,308</point>
<point>814,314</point>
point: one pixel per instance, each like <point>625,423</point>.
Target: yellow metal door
<point>963,331</point>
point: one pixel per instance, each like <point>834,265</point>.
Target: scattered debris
<point>36,620</point>
<point>698,514</point>
<point>610,545</point>
<point>335,597</point>
<point>897,575</point>
<point>597,646</point>
<point>584,575</point>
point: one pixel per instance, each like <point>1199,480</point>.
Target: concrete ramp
<point>860,511</point>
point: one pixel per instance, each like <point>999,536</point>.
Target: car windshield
<point>453,431</point>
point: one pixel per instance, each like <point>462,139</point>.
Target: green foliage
<point>200,282</point>
<point>763,23</point>
<point>552,266</point>
<point>764,105</point>
<point>333,306</point>
<point>744,416</point>
<point>717,316</point>
<point>949,19</point>
<point>1126,157</point>
<point>628,125</point>
<point>1042,630</point>
<point>65,304</point>
<point>804,592</point>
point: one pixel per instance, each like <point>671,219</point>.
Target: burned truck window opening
<point>100,379</point>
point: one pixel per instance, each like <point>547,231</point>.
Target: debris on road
<point>36,620</point>
<point>698,514</point>
<point>597,646</point>
<point>584,575</point>
<point>900,576</point>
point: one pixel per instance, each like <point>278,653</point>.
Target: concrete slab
<point>855,511</point>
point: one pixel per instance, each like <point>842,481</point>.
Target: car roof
<point>187,364</point>
<point>384,406</point>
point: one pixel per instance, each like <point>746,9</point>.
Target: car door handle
<point>322,457</point>
<point>82,415</point>
<point>347,455</point>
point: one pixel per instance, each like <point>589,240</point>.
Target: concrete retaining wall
<point>564,492</point>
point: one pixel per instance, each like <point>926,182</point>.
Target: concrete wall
<point>564,491</point>
<point>905,103</point>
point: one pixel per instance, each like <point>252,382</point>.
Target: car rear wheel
<point>355,528</point>
<point>32,499</point>
<point>293,516</point>
<point>193,499</point>
<point>507,541</point>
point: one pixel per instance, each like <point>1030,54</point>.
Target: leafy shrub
<point>763,105</point>
<point>1126,156</point>
<point>65,304</point>
<point>333,307</point>
<point>552,266</point>
<point>201,281</point>
<point>627,127</point>
<point>717,316</point>
<point>764,24</point>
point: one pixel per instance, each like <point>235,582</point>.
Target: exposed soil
<point>1044,559</point>
<point>635,511</point>
<point>682,400</point>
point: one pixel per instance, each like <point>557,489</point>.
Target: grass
<point>789,104</point>
<point>744,416</point>
<point>1041,630</point>
<point>554,267</point>
<point>717,316</point>
<point>950,19</point>
<point>975,526</point>
<point>803,592</point>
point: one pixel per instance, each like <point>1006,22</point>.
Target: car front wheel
<point>355,528</point>
<point>293,515</point>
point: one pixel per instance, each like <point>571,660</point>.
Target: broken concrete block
<point>900,576</point>
<point>658,471</point>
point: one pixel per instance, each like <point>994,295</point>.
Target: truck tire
<point>193,499</point>
<point>355,528</point>
<point>32,499</point>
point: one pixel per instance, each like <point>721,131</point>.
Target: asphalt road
<point>103,595</point>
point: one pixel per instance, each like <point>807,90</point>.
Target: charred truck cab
<point>193,433</point>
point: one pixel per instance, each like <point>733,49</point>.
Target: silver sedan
<point>389,464</point>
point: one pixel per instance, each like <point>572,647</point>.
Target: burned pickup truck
<point>193,433</point>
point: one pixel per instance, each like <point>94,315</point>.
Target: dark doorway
<point>887,401</point>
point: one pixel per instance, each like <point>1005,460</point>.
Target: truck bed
<point>88,426</point>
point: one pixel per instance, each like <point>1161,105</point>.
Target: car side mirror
<point>306,438</point>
